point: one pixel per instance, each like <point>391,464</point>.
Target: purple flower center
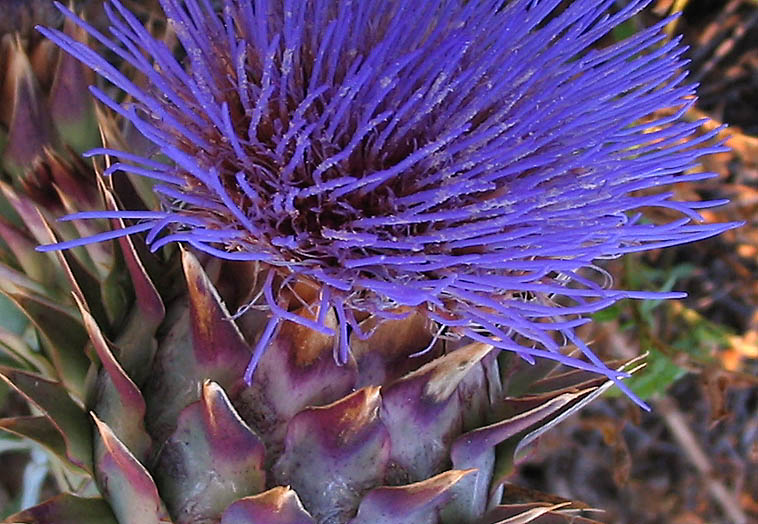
<point>468,159</point>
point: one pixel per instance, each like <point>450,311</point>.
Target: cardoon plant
<point>405,203</point>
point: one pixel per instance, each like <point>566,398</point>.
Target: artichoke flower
<point>390,216</point>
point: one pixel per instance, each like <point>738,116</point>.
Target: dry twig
<point>683,435</point>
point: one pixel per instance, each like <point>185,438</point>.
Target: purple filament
<point>446,156</point>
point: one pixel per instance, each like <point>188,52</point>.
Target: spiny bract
<point>470,160</point>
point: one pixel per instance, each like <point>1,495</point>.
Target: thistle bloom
<point>471,160</point>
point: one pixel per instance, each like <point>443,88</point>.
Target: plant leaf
<point>53,400</point>
<point>335,453</point>
<point>278,505</point>
<point>66,509</point>
<point>416,503</point>
<point>212,459</point>
<point>124,481</point>
<point>119,402</point>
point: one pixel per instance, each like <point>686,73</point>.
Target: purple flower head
<point>468,159</point>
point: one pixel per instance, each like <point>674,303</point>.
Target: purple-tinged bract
<point>468,159</point>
